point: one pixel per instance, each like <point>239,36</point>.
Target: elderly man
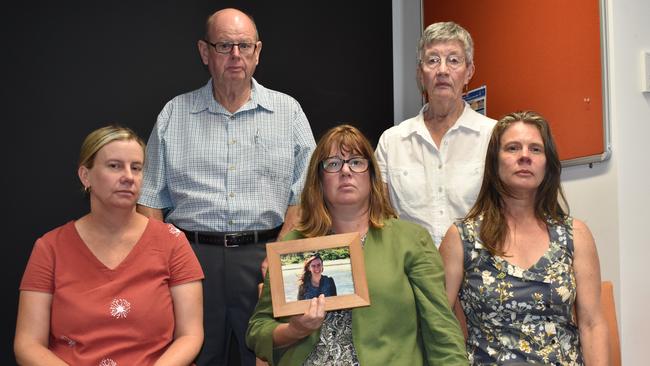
<point>225,164</point>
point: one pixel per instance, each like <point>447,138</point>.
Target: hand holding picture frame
<point>284,275</point>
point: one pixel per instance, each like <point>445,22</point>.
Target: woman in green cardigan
<point>409,321</point>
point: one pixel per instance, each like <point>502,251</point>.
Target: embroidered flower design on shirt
<point>69,341</point>
<point>173,230</point>
<point>107,362</point>
<point>120,308</point>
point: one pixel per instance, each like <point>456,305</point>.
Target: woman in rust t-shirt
<point>112,288</point>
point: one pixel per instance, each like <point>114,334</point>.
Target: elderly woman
<point>344,193</point>
<point>113,287</point>
<point>520,264</point>
<point>313,282</point>
<point>433,162</point>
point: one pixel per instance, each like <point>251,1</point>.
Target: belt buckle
<point>225,240</point>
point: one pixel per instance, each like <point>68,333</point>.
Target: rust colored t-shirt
<point>117,317</point>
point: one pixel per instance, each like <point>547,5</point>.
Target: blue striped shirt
<point>213,170</point>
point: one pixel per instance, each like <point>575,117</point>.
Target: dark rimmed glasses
<point>334,164</point>
<point>245,48</point>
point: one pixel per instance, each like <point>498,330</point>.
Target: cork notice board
<point>544,55</point>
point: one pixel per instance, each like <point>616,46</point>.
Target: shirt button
<point>441,212</point>
<point>232,117</point>
<point>406,173</point>
<point>230,222</point>
<point>232,167</point>
<point>232,142</point>
<point>439,166</point>
<point>440,189</point>
<point>232,194</point>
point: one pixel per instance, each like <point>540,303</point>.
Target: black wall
<point>70,67</point>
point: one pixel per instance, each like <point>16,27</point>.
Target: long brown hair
<point>315,218</point>
<point>549,198</point>
<point>306,274</point>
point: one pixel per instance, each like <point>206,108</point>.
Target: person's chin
<point>444,94</point>
<point>124,203</point>
<point>351,201</point>
<point>236,72</point>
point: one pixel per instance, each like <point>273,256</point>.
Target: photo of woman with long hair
<point>313,282</point>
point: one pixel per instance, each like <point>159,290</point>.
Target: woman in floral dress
<point>519,264</point>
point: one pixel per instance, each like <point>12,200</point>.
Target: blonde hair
<point>102,137</point>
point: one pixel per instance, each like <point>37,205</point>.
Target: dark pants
<point>229,298</point>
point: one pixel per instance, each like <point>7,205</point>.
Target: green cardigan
<point>409,321</point>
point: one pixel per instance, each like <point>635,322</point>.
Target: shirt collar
<point>467,120</point>
<point>205,100</point>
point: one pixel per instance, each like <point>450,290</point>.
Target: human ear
<point>204,51</point>
<point>82,172</point>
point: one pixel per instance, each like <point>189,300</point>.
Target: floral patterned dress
<point>517,315</point>
<point>335,345</point>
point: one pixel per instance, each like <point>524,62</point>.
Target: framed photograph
<point>302,269</point>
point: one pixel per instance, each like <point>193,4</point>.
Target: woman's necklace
<point>363,239</point>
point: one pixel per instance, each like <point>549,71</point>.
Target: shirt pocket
<point>274,159</point>
<point>408,188</point>
<point>464,182</point>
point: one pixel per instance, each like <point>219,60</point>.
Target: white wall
<point>613,197</point>
<point>593,198</point>
<point>629,35</point>
<point>407,26</point>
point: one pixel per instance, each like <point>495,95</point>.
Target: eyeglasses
<point>245,48</point>
<point>334,164</point>
<point>452,61</point>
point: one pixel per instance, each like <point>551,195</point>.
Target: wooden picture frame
<point>351,241</point>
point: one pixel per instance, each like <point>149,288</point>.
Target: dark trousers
<point>229,298</point>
